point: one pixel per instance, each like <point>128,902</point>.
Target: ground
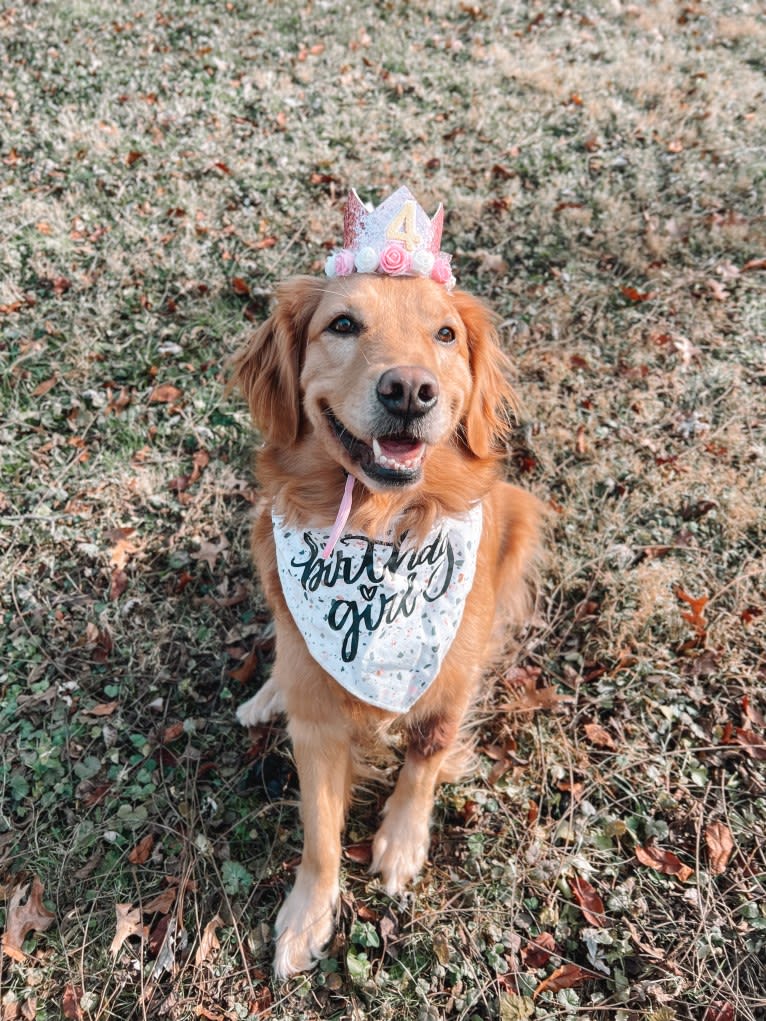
<point>162,167</point>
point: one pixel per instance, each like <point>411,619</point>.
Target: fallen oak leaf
<point>209,941</point>
<point>648,949</point>
<point>210,1015</point>
<point>128,924</point>
<point>522,684</point>
<point>590,902</point>
<point>751,714</point>
<point>118,585</point>
<point>537,952</point>
<point>123,548</point>
<point>568,976</point>
<point>600,736</point>
<point>753,743</point>
<point>139,855</point>
<point>70,1003</point>
<point>200,461</point>
<point>165,393</point>
<point>25,913</point>
<point>101,709</point>
<point>162,903</point>
<point>720,844</point>
<point>696,617</point>
<point>663,861</point>
<point>210,551</point>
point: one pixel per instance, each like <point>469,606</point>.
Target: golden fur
<point>301,369</point>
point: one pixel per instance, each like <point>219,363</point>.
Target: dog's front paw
<point>399,851</point>
<point>262,707</point>
<point>304,926</point>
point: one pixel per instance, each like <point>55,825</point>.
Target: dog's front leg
<point>401,844</point>
<point>307,918</point>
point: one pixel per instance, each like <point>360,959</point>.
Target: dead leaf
<point>118,585</point>
<point>165,393</point>
<point>590,903</point>
<point>581,445</point>
<point>753,743</point>
<point>685,349</point>
<point>139,855</point>
<point>101,709</point>
<point>600,736</point>
<point>209,942</point>
<point>360,853</point>
<point>42,388</point>
<point>210,551</point>
<point>172,732</point>
<point>526,695</point>
<point>696,616</point>
<point>647,948</point>
<point>209,1015</point>
<point>751,714</point>
<point>25,913</point>
<point>200,460</point>
<point>633,294</point>
<point>663,861</point>
<point>719,1012</point>
<point>537,952</point>
<point>162,903</point>
<point>128,924</point>
<point>752,264</point>
<point>717,291</point>
<point>70,1004</point>
<point>720,845</point>
<point>123,548</point>
<point>566,977</point>
<point>247,667</point>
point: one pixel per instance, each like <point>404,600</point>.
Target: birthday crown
<point>397,238</point>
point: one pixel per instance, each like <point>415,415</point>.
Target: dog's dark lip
<point>394,473</point>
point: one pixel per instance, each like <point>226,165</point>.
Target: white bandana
<point>380,618</point>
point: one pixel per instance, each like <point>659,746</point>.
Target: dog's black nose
<point>408,390</point>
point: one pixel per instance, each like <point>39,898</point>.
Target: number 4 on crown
<point>402,227</point>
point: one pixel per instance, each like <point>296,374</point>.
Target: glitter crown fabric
<point>397,238</point>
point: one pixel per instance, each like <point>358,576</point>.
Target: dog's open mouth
<point>394,459</point>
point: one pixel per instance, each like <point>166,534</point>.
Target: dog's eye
<point>343,325</point>
<point>445,335</point>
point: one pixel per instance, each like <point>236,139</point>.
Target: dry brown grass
<point>603,172</point>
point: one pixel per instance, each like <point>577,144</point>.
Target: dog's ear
<point>267,369</point>
<point>487,421</point>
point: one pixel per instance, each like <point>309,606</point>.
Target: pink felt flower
<point>344,263</point>
<point>395,260</point>
<point>441,271</point>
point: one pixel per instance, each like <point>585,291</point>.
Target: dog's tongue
<point>398,448</point>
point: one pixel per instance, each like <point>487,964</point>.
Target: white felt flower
<point>423,262</point>
<point>366,260</point>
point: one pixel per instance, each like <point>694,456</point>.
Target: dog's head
<point>379,371</point>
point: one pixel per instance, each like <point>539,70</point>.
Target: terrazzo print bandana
<point>380,618</point>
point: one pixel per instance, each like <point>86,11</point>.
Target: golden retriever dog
<point>388,392</point>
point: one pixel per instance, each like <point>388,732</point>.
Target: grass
<point>162,169</point>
